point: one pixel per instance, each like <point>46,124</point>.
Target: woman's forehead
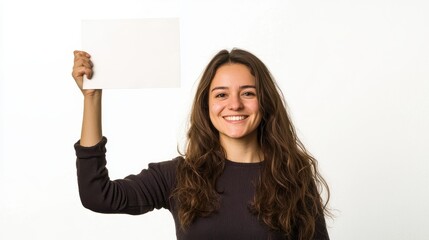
<point>232,75</point>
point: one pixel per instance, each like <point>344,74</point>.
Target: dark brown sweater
<point>150,189</point>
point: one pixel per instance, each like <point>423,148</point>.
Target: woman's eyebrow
<point>247,86</point>
<point>219,88</point>
<point>241,87</point>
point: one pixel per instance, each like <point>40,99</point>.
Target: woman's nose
<point>235,103</point>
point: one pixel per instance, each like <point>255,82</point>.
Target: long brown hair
<point>287,195</point>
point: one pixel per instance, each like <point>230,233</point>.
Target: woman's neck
<point>245,150</point>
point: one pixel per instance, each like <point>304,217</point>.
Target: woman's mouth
<point>235,118</point>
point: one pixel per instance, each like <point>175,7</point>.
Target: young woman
<point>244,174</point>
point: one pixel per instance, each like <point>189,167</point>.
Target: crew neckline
<point>244,164</point>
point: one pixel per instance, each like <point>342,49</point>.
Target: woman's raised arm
<point>91,124</point>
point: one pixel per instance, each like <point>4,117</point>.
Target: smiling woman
<point>234,111</point>
<point>244,174</point>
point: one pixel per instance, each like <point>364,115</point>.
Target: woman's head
<point>262,84</point>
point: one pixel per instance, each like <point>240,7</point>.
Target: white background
<point>355,75</point>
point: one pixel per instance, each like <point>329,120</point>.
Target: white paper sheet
<point>133,53</point>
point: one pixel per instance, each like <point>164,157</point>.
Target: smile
<point>235,118</point>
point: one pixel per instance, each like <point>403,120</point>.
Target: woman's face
<point>233,103</point>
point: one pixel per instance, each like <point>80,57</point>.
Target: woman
<point>244,174</point>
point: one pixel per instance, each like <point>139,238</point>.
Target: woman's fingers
<point>78,53</point>
<point>88,73</point>
<point>78,72</point>
<point>82,65</point>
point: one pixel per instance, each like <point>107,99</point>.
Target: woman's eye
<point>220,95</point>
<point>248,94</point>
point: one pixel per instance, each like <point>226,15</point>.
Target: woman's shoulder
<point>158,175</point>
<point>167,169</point>
<point>167,165</point>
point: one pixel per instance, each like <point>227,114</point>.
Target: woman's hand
<point>83,66</point>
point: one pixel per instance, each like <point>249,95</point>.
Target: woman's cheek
<point>216,108</point>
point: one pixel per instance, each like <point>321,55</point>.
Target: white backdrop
<point>355,75</point>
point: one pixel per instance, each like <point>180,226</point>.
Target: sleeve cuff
<point>98,149</point>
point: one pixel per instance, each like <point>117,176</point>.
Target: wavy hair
<point>288,192</point>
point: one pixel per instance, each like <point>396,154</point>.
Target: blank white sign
<point>133,53</point>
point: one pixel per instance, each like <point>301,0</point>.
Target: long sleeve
<point>136,194</point>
